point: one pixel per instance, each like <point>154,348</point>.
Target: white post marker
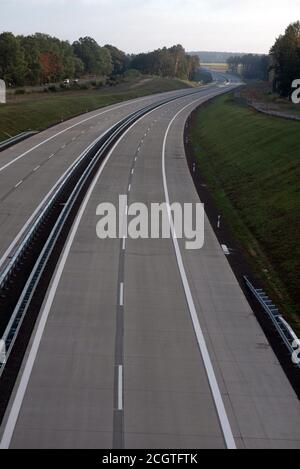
<point>2,92</point>
<point>2,352</point>
<point>226,250</point>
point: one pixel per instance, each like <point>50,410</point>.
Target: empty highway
<point>139,343</point>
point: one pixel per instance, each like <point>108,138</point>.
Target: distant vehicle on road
<point>67,81</point>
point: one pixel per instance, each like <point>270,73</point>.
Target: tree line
<point>285,60</point>
<point>250,66</point>
<point>172,62</point>
<point>281,66</point>
<point>40,58</point>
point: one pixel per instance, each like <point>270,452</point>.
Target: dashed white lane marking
<point>36,168</point>
<point>129,188</point>
<point>18,184</point>
<point>216,393</point>
<point>132,171</point>
<point>36,340</point>
<point>124,243</point>
<point>120,387</point>
<point>121,294</point>
<point>51,156</point>
<point>63,147</point>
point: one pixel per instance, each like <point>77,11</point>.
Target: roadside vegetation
<point>280,68</point>
<point>37,111</point>
<point>251,164</point>
<point>41,59</point>
<point>262,94</point>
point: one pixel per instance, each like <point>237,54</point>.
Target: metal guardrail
<point>93,154</point>
<point>18,138</point>
<point>283,328</point>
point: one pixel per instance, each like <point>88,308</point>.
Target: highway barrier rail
<point>22,283</point>
<point>16,139</point>
<point>285,331</point>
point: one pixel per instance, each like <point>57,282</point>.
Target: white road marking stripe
<point>129,188</point>
<point>38,209</point>
<point>120,387</point>
<point>124,244</point>
<point>132,171</point>
<point>20,393</point>
<point>18,184</point>
<point>121,294</point>
<point>36,340</point>
<point>69,128</point>
<point>223,418</point>
<point>51,156</point>
<point>35,169</point>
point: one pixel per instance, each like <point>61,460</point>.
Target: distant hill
<point>215,57</point>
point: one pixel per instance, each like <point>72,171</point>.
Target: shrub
<point>20,91</point>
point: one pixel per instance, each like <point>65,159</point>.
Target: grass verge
<point>251,164</point>
<point>39,111</point>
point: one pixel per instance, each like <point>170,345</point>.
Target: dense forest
<point>172,62</point>
<point>281,66</point>
<point>250,66</point>
<point>214,57</point>
<point>40,59</point>
<point>285,59</point>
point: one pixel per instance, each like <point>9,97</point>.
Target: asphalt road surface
<point>140,343</point>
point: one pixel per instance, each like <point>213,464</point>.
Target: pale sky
<point>143,25</point>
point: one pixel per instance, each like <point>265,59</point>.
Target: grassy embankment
<point>38,111</point>
<point>261,93</point>
<point>251,163</point>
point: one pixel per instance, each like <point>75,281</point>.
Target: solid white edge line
<point>120,387</point>
<point>31,218</point>
<point>39,207</point>
<point>70,128</point>
<point>220,407</point>
<point>43,317</point>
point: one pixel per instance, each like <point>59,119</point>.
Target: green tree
<point>12,62</point>
<point>32,60</point>
<point>120,61</point>
<point>96,59</point>
<point>285,57</point>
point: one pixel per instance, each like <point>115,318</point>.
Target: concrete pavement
<point>110,369</point>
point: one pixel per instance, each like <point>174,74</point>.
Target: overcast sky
<point>142,25</point>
